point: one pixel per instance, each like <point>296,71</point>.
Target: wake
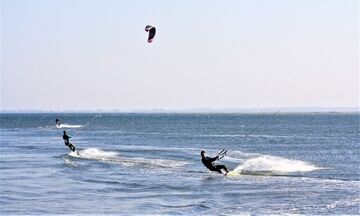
<point>114,157</point>
<point>93,154</point>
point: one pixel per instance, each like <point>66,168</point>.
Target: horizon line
<point>304,109</point>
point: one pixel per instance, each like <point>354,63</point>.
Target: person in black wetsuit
<point>67,142</point>
<point>209,163</point>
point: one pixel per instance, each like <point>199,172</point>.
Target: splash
<point>272,164</point>
<point>68,126</point>
<point>94,153</point>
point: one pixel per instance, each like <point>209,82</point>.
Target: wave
<point>68,126</point>
<point>344,203</point>
<point>245,135</point>
<point>146,162</point>
<point>188,150</point>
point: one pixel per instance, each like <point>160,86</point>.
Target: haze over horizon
<point>93,55</point>
<point>201,110</point>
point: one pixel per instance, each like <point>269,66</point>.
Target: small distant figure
<point>209,163</point>
<point>152,31</point>
<point>57,122</point>
<point>67,141</point>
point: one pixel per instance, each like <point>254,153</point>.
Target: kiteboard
<point>232,174</point>
<point>75,153</point>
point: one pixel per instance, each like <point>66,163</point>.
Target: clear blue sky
<point>87,54</point>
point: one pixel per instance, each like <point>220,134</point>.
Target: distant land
<point>310,109</point>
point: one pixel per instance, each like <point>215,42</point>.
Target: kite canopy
<point>152,31</point>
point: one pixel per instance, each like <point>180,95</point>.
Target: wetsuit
<point>209,163</point>
<point>67,142</point>
<point>57,122</point>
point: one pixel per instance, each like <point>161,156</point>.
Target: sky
<point>93,54</point>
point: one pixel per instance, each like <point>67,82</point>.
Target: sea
<point>150,164</point>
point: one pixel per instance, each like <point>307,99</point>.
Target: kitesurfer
<point>67,142</point>
<point>152,32</point>
<point>209,163</point>
<point>57,122</point>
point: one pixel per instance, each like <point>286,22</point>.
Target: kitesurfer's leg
<point>221,167</point>
<point>217,169</point>
<point>72,147</point>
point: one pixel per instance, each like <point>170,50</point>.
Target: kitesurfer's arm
<point>214,158</point>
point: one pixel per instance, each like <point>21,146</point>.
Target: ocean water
<point>146,164</point>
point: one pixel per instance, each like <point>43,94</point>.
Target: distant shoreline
<point>203,110</point>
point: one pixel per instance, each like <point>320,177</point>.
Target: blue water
<point>142,164</point>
